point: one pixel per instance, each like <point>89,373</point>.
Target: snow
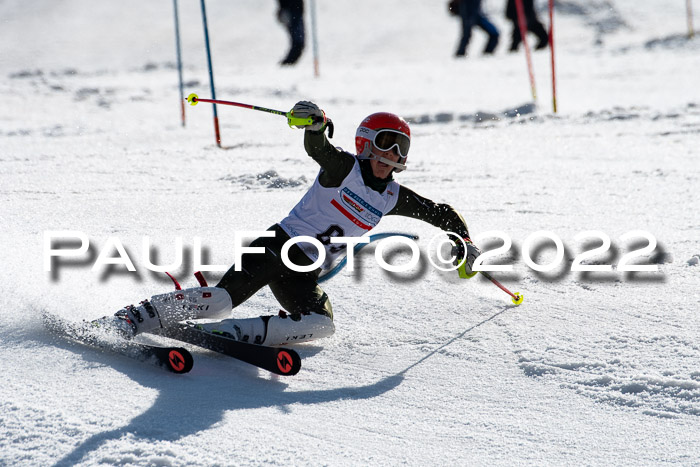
<point>593,368</point>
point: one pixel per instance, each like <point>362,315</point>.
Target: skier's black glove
<point>306,109</point>
<point>466,253</point>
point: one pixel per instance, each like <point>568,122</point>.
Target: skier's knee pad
<point>165,310</point>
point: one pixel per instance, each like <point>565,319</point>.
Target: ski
<point>281,361</point>
<point>175,359</point>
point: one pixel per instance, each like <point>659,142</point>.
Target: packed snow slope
<point>593,368</point>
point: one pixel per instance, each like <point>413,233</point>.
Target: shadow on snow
<point>190,404</point>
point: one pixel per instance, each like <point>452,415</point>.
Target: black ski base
<point>175,359</point>
<point>281,361</point>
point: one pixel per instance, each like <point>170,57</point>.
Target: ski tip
<point>180,360</point>
<point>288,362</point>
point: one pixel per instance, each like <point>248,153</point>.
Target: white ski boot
<point>274,330</point>
<point>165,310</point>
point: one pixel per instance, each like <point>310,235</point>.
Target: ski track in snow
<point>424,369</point>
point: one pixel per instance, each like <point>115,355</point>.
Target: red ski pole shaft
<point>498,284</point>
<point>517,297</point>
<point>298,122</point>
<point>194,100</point>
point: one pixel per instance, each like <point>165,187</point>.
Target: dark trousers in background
<point>533,25</point>
<point>470,12</point>
<point>297,37</point>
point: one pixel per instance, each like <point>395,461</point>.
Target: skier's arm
<point>335,164</point>
<point>443,216</point>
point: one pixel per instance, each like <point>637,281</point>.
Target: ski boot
<point>274,330</point>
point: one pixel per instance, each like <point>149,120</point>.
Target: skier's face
<point>380,169</point>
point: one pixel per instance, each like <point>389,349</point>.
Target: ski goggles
<point>386,140</point>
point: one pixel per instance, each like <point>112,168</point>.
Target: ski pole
<point>517,296</point>
<point>217,133</point>
<point>464,273</point>
<point>193,99</point>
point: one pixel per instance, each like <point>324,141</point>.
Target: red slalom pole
<point>517,297</point>
<point>551,52</point>
<point>689,14</point>
<point>522,25</point>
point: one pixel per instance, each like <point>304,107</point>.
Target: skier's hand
<point>306,109</point>
<point>466,253</point>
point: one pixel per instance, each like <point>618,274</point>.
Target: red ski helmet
<point>384,131</point>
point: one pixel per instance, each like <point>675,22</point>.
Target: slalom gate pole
<point>689,13</point>
<point>522,25</point>
<point>314,37</point>
<point>551,52</point>
<point>217,134</point>
<point>517,297</point>
<point>372,238</point>
<point>179,63</point>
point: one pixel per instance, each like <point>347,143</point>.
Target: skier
<point>350,195</point>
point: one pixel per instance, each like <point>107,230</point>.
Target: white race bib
<point>350,210</point>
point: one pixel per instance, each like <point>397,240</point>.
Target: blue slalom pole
<point>211,74</point>
<point>179,63</point>
<point>372,238</point>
